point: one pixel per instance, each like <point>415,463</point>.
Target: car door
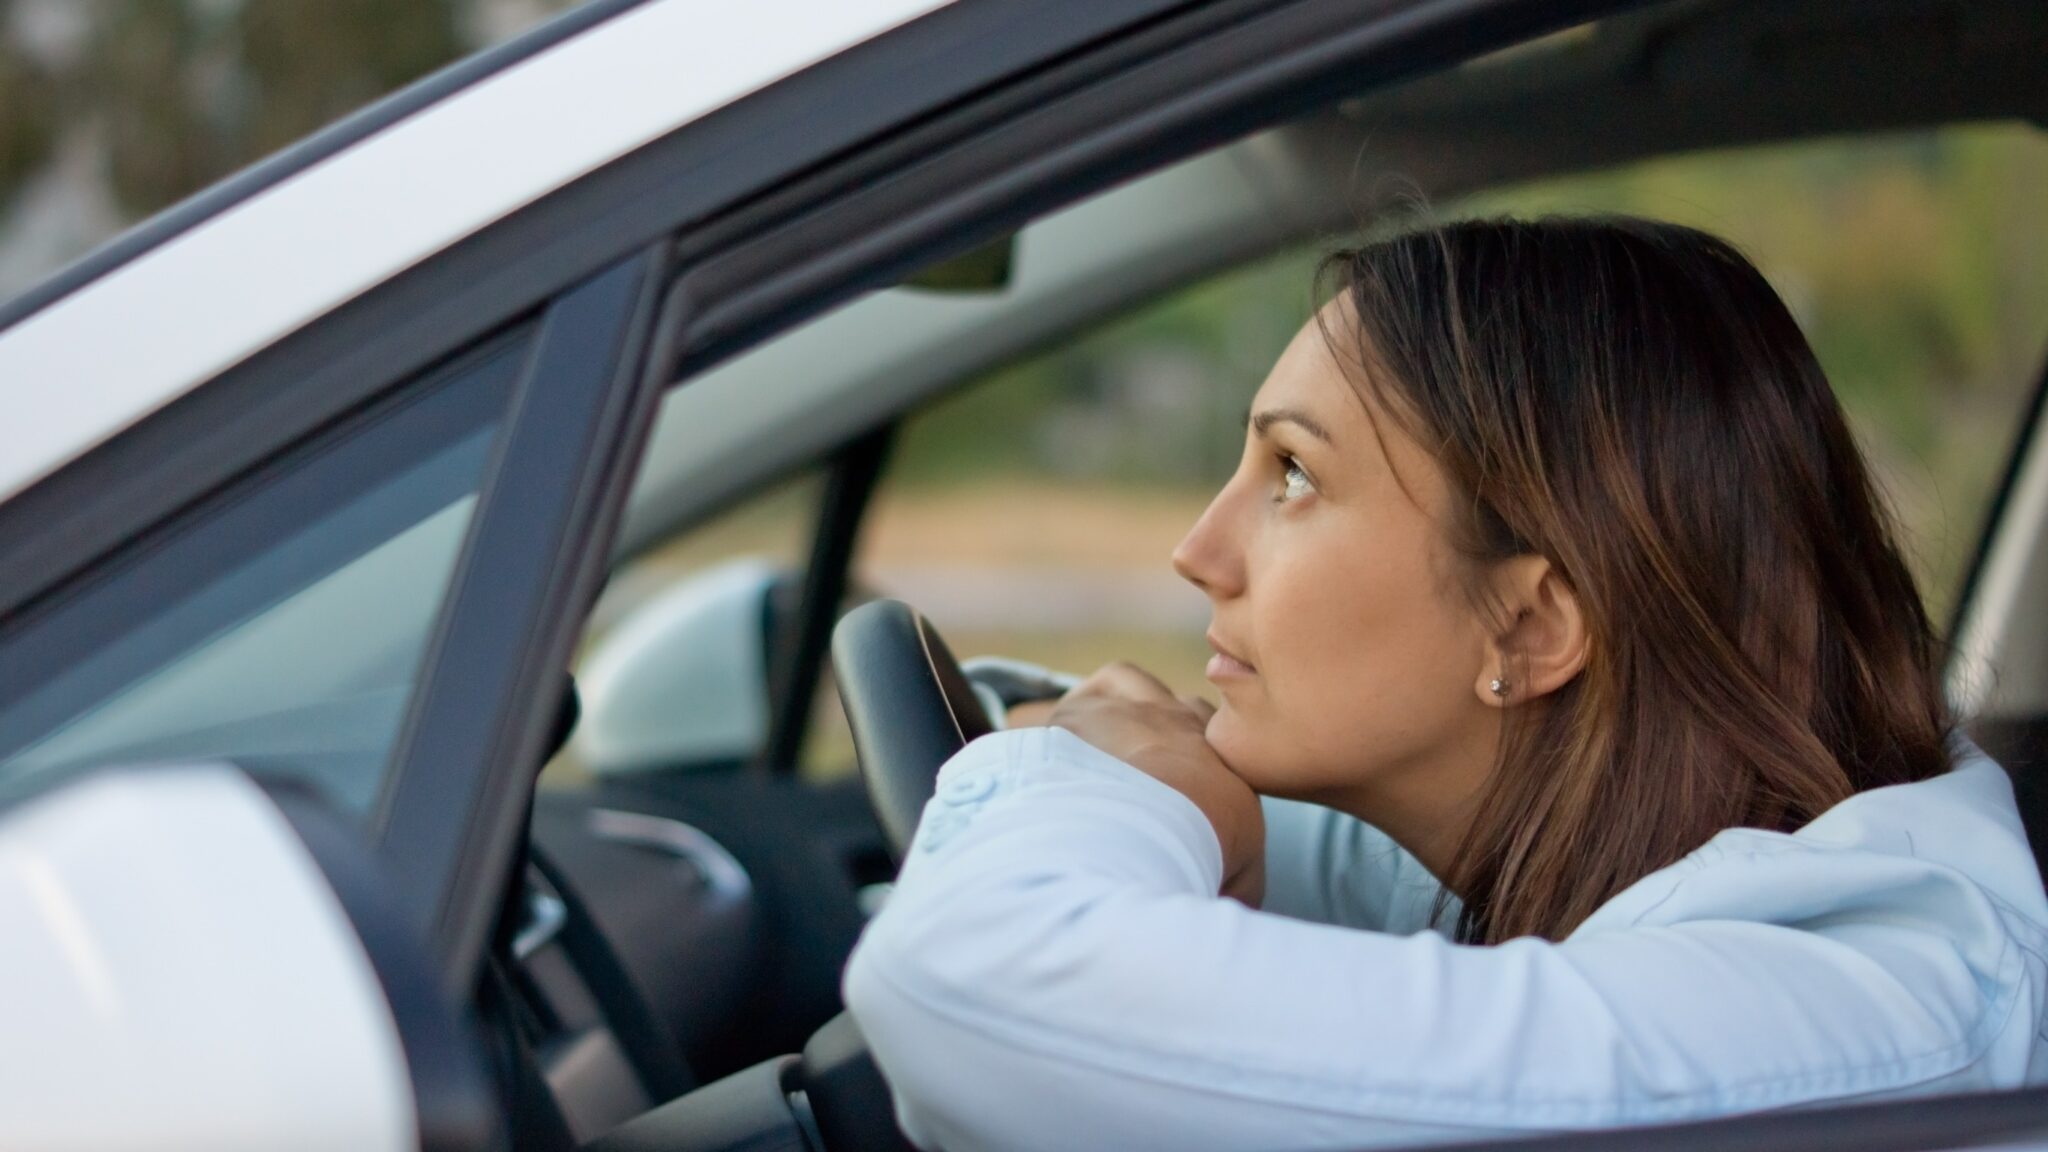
<point>353,560</point>
<point>343,623</point>
<point>586,263</point>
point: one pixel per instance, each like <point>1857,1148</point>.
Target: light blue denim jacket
<point>1055,971</point>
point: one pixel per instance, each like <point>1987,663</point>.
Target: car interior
<point>691,896</point>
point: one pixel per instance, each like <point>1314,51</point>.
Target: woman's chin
<point>1258,762</point>
<point>1226,734</point>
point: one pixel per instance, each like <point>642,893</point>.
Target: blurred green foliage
<point>188,91</point>
<point>28,110</point>
<point>1917,265</point>
<point>183,92</point>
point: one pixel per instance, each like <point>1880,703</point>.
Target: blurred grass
<point>1029,522</point>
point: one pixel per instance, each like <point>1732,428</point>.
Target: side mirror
<point>985,269</point>
<point>683,680</point>
<point>193,960</point>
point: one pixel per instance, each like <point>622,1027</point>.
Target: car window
<point>282,629</point>
<point>677,662</point>
<point>1033,513</point>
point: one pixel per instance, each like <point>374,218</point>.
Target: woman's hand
<point>1128,713</point>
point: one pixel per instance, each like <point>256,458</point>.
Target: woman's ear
<point>1544,642</point>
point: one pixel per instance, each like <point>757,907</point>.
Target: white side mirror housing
<point>683,679</point>
<point>180,972</point>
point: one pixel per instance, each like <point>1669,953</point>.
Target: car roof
<point>222,277</point>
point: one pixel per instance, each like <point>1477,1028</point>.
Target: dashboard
<point>672,929</point>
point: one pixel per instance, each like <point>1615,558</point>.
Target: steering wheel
<point>911,709</point>
<point>909,705</point>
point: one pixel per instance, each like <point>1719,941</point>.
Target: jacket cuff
<point>1028,775</point>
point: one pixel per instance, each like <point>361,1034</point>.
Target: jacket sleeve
<point>1055,970</point>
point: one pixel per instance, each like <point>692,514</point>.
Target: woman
<point>1550,579</point>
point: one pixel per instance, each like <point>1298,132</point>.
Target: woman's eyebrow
<point>1272,416</point>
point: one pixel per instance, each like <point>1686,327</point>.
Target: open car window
<point>1032,514</point>
<point>281,629</point>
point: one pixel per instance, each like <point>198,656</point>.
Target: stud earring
<point>1499,687</point>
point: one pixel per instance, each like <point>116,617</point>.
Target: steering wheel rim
<point>909,706</point>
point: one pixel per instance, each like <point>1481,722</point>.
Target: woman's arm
<point>1055,970</point>
<point>1325,866</point>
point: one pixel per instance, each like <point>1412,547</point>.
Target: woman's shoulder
<point>1949,850</point>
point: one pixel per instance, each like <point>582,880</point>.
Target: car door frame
<point>703,170</point>
<point>550,469</point>
<point>590,259</point>
<point>889,229</point>
<point>562,469</point>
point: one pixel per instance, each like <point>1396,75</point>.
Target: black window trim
<point>456,796</point>
<point>53,536</point>
<point>952,183</point>
<point>798,664</point>
<point>1159,93</point>
<point>2022,444</point>
<point>336,464</point>
<point>2010,1119</point>
<point>455,1096</point>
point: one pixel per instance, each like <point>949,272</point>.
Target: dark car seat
<point>2021,744</point>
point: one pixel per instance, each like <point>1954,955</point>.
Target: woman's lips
<point>1226,666</point>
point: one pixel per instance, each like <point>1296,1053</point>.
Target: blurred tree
<point>28,109</point>
<point>113,109</point>
<point>309,62</point>
<point>189,90</point>
<point>141,83</point>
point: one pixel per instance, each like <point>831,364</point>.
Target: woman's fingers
<point>1030,713</point>
<point>1127,680</point>
<point>1134,718</point>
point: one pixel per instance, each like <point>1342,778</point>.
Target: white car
<point>308,487</point>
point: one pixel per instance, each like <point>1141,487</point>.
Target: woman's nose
<point>1207,556</point>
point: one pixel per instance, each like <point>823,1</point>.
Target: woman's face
<point>1348,653</point>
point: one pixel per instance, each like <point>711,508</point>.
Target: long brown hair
<point>1632,401</point>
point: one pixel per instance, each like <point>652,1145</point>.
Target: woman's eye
<point>1294,481</point>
